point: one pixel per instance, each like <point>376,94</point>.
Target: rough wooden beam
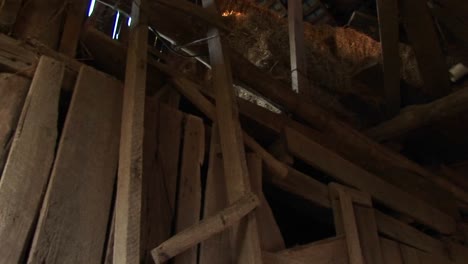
<point>247,246</point>
<point>387,11</point>
<point>75,17</point>
<point>129,188</point>
<point>83,217</point>
<point>26,172</point>
<point>417,116</point>
<point>331,250</point>
<point>393,197</point>
<point>205,229</point>
<point>300,83</point>
<point>425,42</point>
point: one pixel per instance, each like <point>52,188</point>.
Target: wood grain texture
<point>13,91</point>
<point>189,194</point>
<point>31,157</point>
<point>127,239</point>
<point>340,168</point>
<point>216,249</point>
<point>73,222</point>
<point>370,241</point>
<point>268,230</point>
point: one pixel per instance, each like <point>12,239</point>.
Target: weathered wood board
<point>13,90</point>
<point>73,222</point>
<point>31,157</point>
<point>190,189</point>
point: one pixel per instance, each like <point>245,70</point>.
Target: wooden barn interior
<point>234,131</point>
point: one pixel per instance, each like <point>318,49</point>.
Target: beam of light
<point>114,34</point>
<point>91,7</point>
<point>129,21</point>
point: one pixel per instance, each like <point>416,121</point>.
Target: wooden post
<point>300,83</point>
<point>425,42</point>
<point>389,35</point>
<point>26,172</point>
<point>76,14</point>
<point>129,189</point>
<point>247,247</point>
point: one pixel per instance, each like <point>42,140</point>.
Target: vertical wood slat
<point>31,157</point>
<point>389,35</point>
<point>270,235</point>
<point>75,17</point>
<point>13,91</point>
<point>74,217</point>
<point>245,234</point>
<point>299,79</point>
<point>391,252</point>
<point>127,239</point>
<point>217,249</point>
<point>425,42</point>
<point>189,195</point>
<point>163,126</point>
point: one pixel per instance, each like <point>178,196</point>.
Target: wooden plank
<point>75,227</point>
<point>189,195</point>
<point>406,234</point>
<point>272,258</point>
<point>26,172</point>
<point>162,140</point>
<point>216,249</point>
<point>300,83</point>
<point>8,13</point>
<point>13,91</point>
<point>41,20</point>
<point>350,228</point>
<point>75,17</point>
<point>205,228</point>
<point>340,168</point>
<point>269,232</point>
<point>389,38</point>
<point>391,251</point>
<point>425,42</point>
<point>367,227</point>
<point>127,237</point>
<point>247,247</point>
<point>332,250</point>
